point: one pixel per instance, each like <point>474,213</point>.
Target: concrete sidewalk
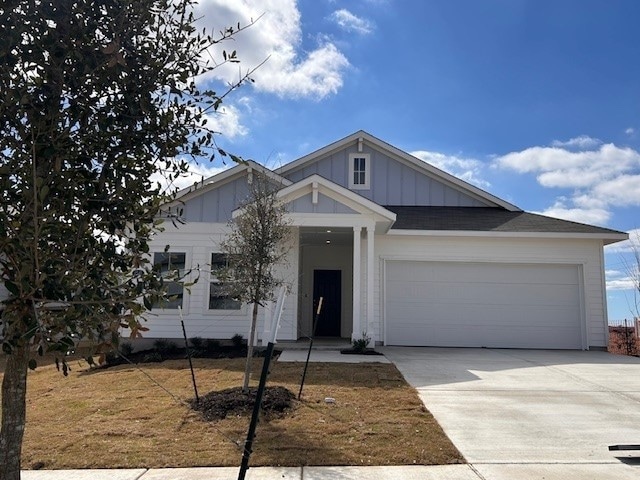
<point>438,472</point>
<point>595,471</point>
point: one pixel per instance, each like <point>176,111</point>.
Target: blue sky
<point>536,101</point>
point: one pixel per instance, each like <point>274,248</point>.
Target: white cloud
<point>226,121</point>
<point>467,169</point>
<point>580,142</point>
<point>597,216</point>
<point>558,167</point>
<point>622,280</point>
<point>630,131</point>
<point>603,177</point>
<point>350,22</point>
<point>622,190</point>
<point>277,35</point>
<point>196,173</point>
<point>626,283</point>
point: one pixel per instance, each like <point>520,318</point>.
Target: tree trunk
<point>252,335</point>
<point>14,406</point>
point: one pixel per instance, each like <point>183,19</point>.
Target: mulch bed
<point>217,405</point>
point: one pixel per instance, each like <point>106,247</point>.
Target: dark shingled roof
<point>485,219</point>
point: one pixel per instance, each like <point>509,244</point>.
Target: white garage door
<point>453,304</point>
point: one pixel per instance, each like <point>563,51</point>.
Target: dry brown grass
<point>119,418</point>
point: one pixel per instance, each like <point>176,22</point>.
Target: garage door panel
<point>506,305</point>
<point>485,294</point>
<point>477,273</point>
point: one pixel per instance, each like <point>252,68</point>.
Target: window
<point>172,267</point>
<point>219,298</point>
<point>359,171</point>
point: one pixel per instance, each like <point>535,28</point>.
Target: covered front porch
<point>336,231</point>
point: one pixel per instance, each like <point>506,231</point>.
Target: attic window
<point>359,171</point>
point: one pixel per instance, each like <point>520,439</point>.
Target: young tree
<point>98,96</point>
<point>256,244</point>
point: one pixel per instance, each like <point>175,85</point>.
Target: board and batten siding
<point>392,181</point>
<point>198,240</point>
<point>324,204</point>
<point>586,253</point>
<point>216,205</point>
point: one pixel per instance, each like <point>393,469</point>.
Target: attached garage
<point>495,305</point>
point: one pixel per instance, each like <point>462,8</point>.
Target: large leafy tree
<point>98,98</point>
<point>256,244</point>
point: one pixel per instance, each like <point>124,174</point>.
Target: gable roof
<point>402,156</point>
<point>228,175</point>
<point>336,192</point>
<point>498,220</point>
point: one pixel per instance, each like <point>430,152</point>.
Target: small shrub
<point>111,358</point>
<point>126,349</point>
<point>197,342</point>
<point>211,345</point>
<point>165,347</point>
<point>194,353</point>
<point>361,344</point>
<point>237,340</point>
<point>152,357</point>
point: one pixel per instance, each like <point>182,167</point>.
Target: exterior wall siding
<point>198,241</point>
<point>521,250</point>
<point>325,204</point>
<point>392,182</point>
<point>216,206</point>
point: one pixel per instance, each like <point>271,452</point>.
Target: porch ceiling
<point>326,236</point>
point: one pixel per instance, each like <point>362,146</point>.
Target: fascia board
<point>607,238</point>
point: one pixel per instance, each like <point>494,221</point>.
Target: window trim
<point>160,309</point>
<point>367,171</point>
<point>213,279</point>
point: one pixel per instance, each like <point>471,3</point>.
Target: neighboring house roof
<point>420,165</point>
<point>481,219</point>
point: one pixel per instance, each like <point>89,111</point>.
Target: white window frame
<point>367,171</point>
<point>185,294</point>
<point>214,279</point>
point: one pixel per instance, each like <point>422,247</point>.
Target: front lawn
<point>121,418</point>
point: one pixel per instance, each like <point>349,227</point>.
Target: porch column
<point>369,281</point>
<point>356,330</point>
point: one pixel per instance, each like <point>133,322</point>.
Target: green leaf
<point>44,191</point>
<point>12,287</point>
<point>147,303</point>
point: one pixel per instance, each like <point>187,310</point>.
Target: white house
<point>399,250</point>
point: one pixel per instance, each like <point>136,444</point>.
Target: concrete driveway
<point>517,414</point>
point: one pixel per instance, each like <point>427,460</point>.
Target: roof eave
<point>607,238</point>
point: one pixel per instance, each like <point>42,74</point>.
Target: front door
<point>328,285</point>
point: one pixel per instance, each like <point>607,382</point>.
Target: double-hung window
<point>171,265</point>
<point>219,298</point>
<point>359,171</point>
